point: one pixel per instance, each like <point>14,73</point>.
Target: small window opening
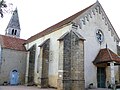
<point>15,32</point>
<point>12,31</point>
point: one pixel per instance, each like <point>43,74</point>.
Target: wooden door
<point>101,77</point>
<point>14,77</point>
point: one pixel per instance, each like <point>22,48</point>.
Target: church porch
<point>107,63</point>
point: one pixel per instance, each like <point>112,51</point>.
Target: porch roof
<point>105,56</point>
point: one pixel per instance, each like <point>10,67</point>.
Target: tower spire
<point>13,28</point>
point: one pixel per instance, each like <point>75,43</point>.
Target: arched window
<point>12,31</point>
<point>15,32</point>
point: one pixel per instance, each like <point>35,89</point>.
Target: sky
<point>37,15</point>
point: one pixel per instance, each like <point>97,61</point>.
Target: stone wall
<point>73,63</point>
<point>12,60</point>
<point>77,62</point>
<point>31,65</point>
<point>67,62</point>
<point>45,65</point>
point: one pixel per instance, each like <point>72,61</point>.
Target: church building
<point>12,54</point>
<point>80,51</point>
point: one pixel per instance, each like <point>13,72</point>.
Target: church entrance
<point>14,77</point>
<point>106,59</point>
<point>101,77</point>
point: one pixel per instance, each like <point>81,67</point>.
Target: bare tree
<point>2,6</point>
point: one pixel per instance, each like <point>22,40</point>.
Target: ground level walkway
<point>102,89</point>
<point>22,88</point>
<point>36,88</point>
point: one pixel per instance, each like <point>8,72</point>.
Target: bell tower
<point>13,28</point>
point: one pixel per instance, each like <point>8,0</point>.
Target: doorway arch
<point>14,77</point>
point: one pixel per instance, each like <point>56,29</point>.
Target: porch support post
<point>27,67</point>
<point>112,73</point>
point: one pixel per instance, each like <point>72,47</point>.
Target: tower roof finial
<point>96,0</point>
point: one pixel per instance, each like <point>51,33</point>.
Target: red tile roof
<point>106,55</point>
<point>12,43</point>
<point>56,26</point>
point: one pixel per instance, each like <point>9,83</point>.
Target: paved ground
<point>100,89</point>
<point>21,88</point>
<point>35,88</point>
<point>104,89</point>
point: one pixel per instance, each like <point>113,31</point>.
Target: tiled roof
<point>118,50</point>
<point>106,55</point>
<point>56,26</point>
<point>12,43</point>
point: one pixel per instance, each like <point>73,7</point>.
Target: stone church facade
<point>74,53</point>
<point>12,54</point>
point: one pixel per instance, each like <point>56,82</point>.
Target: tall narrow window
<point>12,31</point>
<point>15,32</point>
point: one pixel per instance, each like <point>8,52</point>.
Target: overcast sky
<point>37,15</point>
